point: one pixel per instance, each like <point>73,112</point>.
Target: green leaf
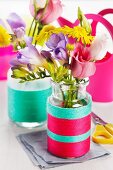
<point>51,68</point>
<point>59,74</point>
<point>18,73</point>
<point>84,21</point>
<point>22,81</point>
<point>28,77</point>
<point>80,15</point>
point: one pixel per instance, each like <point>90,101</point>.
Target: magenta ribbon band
<point>68,127</point>
<point>66,150</point>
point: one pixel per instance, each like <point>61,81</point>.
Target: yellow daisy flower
<point>5,38</point>
<point>78,33</point>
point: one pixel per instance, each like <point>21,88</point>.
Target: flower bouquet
<point>49,54</point>
<point>69,66</point>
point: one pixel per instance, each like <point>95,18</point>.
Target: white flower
<point>39,3</point>
<point>99,47</point>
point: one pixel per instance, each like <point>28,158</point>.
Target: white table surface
<point>13,157</point>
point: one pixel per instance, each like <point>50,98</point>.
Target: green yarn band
<point>69,113</point>
<point>27,106</point>
<point>68,139</point>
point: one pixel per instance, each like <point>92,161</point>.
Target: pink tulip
<point>82,52</point>
<point>82,69</point>
<point>81,66</point>
<point>45,13</point>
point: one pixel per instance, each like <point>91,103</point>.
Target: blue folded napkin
<point>35,145</point>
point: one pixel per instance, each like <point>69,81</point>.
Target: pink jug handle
<point>98,18</point>
<point>106,11</point>
<point>62,21</point>
<point>102,13</point>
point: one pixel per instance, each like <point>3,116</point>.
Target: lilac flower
<point>57,43</point>
<point>30,55</point>
<point>19,32</point>
<point>17,25</point>
<point>16,63</point>
<point>28,40</point>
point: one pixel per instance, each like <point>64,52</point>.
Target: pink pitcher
<point>101,84</point>
<point>6,54</point>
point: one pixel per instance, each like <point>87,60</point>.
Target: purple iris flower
<point>16,63</point>
<point>17,25</point>
<point>29,56</point>
<point>28,40</point>
<point>57,43</point>
<point>26,57</point>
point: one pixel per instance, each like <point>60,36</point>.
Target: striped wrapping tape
<point>27,106</point>
<point>68,139</point>
<point>69,130</point>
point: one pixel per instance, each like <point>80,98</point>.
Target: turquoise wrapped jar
<point>27,101</point>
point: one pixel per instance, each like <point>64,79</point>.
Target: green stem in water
<point>71,94</point>
<point>69,99</point>
<point>31,27</point>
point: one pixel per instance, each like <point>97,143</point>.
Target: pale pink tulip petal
<point>99,47</point>
<point>82,69</point>
<point>48,14</point>
<point>31,8</point>
<point>88,69</point>
<point>53,11</point>
<point>76,68</point>
<point>41,3</point>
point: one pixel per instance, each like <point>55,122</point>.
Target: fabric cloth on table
<point>35,145</point>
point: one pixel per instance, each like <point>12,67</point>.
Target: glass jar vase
<point>70,95</point>
<point>69,119</point>
<point>27,101</point>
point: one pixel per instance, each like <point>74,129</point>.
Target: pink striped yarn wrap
<point>68,137</point>
<point>69,127</point>
<point>68,150</point>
